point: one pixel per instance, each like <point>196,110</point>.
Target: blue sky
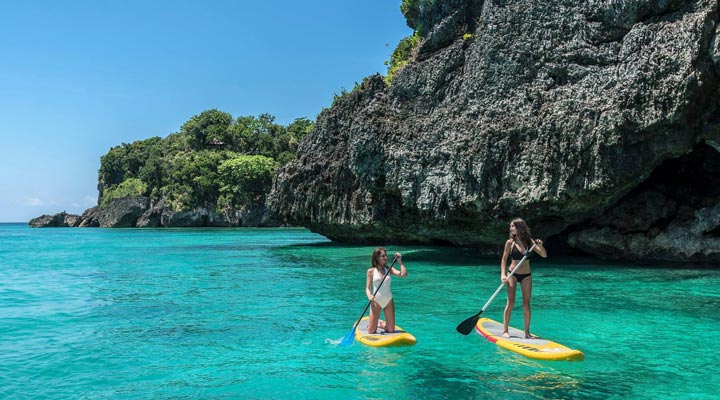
<point>79,77</point>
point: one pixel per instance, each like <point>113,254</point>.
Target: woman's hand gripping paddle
<point>350,337</point>
<point>467,326</point>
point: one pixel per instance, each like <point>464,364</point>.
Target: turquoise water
<point>257,313</point>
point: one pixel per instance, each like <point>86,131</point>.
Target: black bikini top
<point>515,254</point>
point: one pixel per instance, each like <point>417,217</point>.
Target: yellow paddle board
<point>381,338</point>
<point>535,347</point>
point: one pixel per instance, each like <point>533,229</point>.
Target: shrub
<point>245,180</point>
<point>402,55</point>
<point>128,187</point>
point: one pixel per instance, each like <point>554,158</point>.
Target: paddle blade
<point>349,339</point>
<point>468,325</point>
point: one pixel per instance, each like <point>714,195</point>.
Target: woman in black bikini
<point>515,248</point>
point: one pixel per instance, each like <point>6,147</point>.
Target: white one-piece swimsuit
<point>384,295</point>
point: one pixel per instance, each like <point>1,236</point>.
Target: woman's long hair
<point>522,232</point>
<point>376,263</point>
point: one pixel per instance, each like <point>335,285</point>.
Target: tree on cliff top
<point>184,166</point>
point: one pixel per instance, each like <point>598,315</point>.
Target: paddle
<point>467,326</point>
<point>350,337</point>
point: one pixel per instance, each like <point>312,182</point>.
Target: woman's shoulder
<point>508,243</point>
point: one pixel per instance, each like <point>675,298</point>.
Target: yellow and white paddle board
<point>535,347</point>
<point>381,338</point>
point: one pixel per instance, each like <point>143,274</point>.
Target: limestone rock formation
<point>161,215</point>
<point>123,212</point>
<point>59,220</point>
<point>565,113</point>
<point>90,218</point>
<point>137,212</point>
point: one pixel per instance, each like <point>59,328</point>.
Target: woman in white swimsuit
<point>382,301</point>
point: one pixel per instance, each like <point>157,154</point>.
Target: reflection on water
<point>542,384</point>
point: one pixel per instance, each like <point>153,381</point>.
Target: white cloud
<point>89,200</point>
<point>38,202</point>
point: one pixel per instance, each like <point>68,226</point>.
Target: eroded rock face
<point>59,220</point>
<point>161,215</point>
<point>138,212</point>
<point>552,111</point>
<point>674,215</point>
<point>123,212</point>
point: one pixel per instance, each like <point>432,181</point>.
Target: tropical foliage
<point>402,55</point>
<point>214,161</point>
<point>129,187</point>
<point>245,180</point>
<point>420,15</point>
<point>423,16</point>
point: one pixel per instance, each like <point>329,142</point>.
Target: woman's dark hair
<point>522,232</point>
<point>376,263</point>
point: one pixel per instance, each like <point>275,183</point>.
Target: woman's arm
<point>368,285</point>
<point>539,248</point>
<point>503,260</point>
<point>403,271</point>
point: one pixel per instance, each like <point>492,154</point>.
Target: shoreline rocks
<point>137,212</point>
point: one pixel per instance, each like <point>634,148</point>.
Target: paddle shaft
<point>517,267</point>
<point>467,326</point>
<point>376,290</point>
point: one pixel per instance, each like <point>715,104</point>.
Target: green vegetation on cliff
<point>402,54</point>
<point>214,161</point>
<point>435,24</point>
<point>415,12</point>
<point>245,180</point>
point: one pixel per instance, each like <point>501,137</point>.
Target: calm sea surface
<point>257,314</point>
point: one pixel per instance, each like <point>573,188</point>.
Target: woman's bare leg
<point>511,285</point>
<point>374,317</point>
<point>390,317</point>
<point>526,287</point>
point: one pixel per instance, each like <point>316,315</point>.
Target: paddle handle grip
<point>525,257</point>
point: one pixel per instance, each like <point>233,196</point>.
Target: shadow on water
<point>485,381</point>
<point>467,256</point>
<point>441,255</point>
<point>515,378</point>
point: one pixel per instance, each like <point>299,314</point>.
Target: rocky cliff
<point>596,121</point>
<point>139,212</point>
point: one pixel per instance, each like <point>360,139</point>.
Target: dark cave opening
<point>715,233</point>
<point>692,180</point>
<point>672,194</point>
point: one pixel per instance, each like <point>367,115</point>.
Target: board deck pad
<point>381,338</point>
<point>536,347</point>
